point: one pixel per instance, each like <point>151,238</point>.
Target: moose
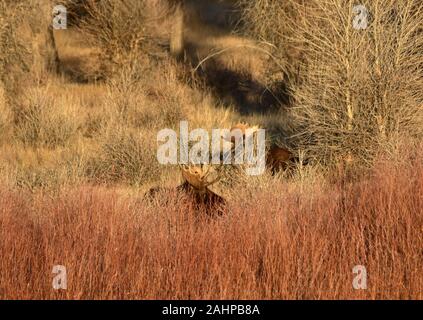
<point>198,178</point>
<point>195,189</point>
<point>277,158</point>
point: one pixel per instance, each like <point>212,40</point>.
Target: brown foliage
<point>276,243</point>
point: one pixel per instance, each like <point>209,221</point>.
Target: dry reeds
<point>278,243</point>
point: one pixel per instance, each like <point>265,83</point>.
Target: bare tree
<point>177,33</point>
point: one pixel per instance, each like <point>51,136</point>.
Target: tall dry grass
<point>279,242</point>
<point>42,120</point>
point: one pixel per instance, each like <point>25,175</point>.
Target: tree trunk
<point>177,33</point>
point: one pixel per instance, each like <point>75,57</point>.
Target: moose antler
<point>277,158</point>
<point>243,127</point>
<point>199,176</point>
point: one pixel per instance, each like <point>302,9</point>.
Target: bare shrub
<point>124,30</point>
<point>27,48</point>
<point>11,47</point>
<point>43,120</point>
<point>358,90</point>
<point>266,21</point>
<point>143,98</point>
<point>363,88</point>
<point>125,157</point>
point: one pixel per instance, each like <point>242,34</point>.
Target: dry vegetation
<point>282,242</point>
<point>79,114</point>
<point>362,89</point>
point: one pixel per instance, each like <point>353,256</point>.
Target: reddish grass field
<point>278,244</point>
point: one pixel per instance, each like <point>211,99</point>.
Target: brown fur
<point>278,158</point>
<point>195,189</point>
<point>205,200</point>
